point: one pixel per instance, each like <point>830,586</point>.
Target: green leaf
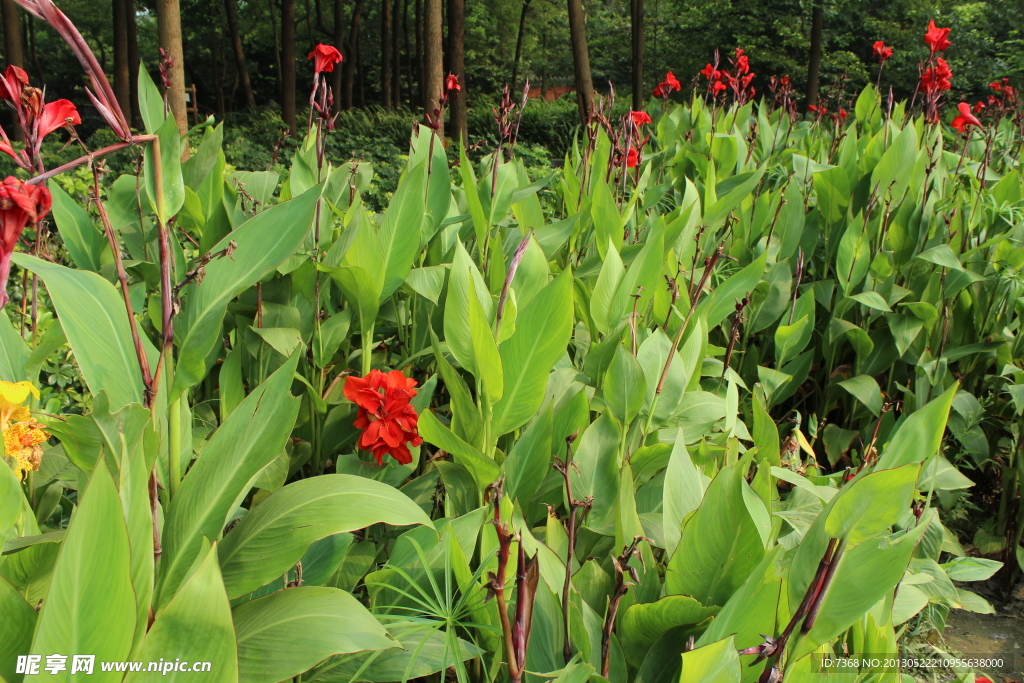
<point>483,469</point>
<point>543,329</point>
<point>714,663</point>
<point>486,361</point>
<point>288,632</point>
<point>261,244</point>
<point>16,629</point>
<point>151,102</point>
<point>871,504</point>
<point>602,299</point>
<point>90,608</point>
<point>457,332</point>
<point>720,544</point>
<point>93,315</point>
<point>971,568</point>
<point>195,627</point>
<point>14,352</point>
<point>682,492</point>
<point>273,536</point>
<point>427,281</point>
<point>722,301</point>
<point>766,433</point>
<point>641,624</point>
<point>169,200</point>
<point>248,440</point>
<point>865,389</point>
<point>918,436</point>
<point>399,234</point>
<point>624,386</point>
<point>873,300</point>
<point>85,244</point>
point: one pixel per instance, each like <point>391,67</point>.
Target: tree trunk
<point>277,47</point>
<point>401,29</point>
<point>337,76</point>
<point>637,7</point>
<point>122,76</point>
<point>133,61</point>
<point>288,65</point>
<point>519,45</point>
<point>581,60</point>
<point>385,53</point>
<point>814,63</point>
<point>12,46</point>
<point>433,58</point>
<point>236,45</point>
<point>457,62</point>
<point>168,21</point>
<point>351,51</point>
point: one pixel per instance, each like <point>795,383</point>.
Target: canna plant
<point>689,406</point>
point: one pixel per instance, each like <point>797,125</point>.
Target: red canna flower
<point>882,51</point>
<point>978,106</point>
<point>659,91</point>
<point>12,83</point>
<point>978,678</point>
<point>718,86</point>
<point>709,72</point>
<point>743,64</point>
<point>632,158</point>
<point>56,114</point>
<point>966,118</point>
<point>324,58</point>
<point>640,117</point>
<point>997,86</point>
<point>935,37</point>
<point>451,83</point>
<point>20,205</point>
<point>385,416</point>
<point>937,78</point>
<point>673,82</point>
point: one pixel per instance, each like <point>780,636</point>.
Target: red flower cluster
<point>738,79</point>
<point>324,58</point>
<point>882,51</point>
<point>665,88</point>
<point>451,83</point>
<point>936,38</point>
<point>36,118</point>
<point>936,79</point>
<point>21,204</point>
<point>640,117</point>
<point>385,416</point>
<point>966,118</point>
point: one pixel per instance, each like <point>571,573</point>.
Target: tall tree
<point>352,51</point>
<point>168,24</point>
<point>433,57</point>
<point>637,26</point>
<point>396,53</point>
<point>122,71</point>
<point>132,31</point>
<point>288,65</point>
<point>581,59</point>
<point>12,44</point>
<point>385,53</point>
<point>519,44</point>
<point>457,64</point>
<point>236,44</point>
<point>337,76</point>
<point>814,62</point>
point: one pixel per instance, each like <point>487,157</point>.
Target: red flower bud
<point>324,58</point>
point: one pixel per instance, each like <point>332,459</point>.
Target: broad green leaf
<point>90,608</point>
<point>93,316</point>
<point>85,244</point>
<point>483,469</point>
<point>168,199</point>
<point>596,471</point>
<point>543,329</point>
<point>918,436</point>
<point>151,102</point>
<point>865,389</point>
<point>871,504</point>
<point>486,361</point>
<point>766,433</point>
<point>602,299</point>
<point>457,332</point>
<point>399,234</point>
<point>624,386</point>
<point>261,244</point>
<point>195,627</point>
<point>251,437</point>
<point>682,492</point>
<point>641,624</point>
<point>529,460</point>
<point>14,352</point>
<point>288,632</point>
<point>722,301</point>
<point>273,536</point>
<point>16,629</point>
<point>712,663</point>
<point>873,300</point>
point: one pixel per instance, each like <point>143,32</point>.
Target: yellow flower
<point>22,435</point>
<point>12,395</point>
<point>21,444</point>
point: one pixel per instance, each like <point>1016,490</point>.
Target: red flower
<point>882,52</point>
<point>55,115</point>
<point>978,678</point>
<point>978,106</point>
<point>451,83</point>
<point>743,64</point>
<point>839,116</point>
<point>709,72</point>
<point>672,82</point>
<point>658,91</point>
<point>935,37</point>
<point>997,86</point>
<point>325,57</point>
<point>632,157</point>
<point>385,416</point>
<point>20,205</point>
<point>937,78</point>
<point>11,84</point>
<point>640,117</point>
<point>966,118</point>
<point>718,86</point>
